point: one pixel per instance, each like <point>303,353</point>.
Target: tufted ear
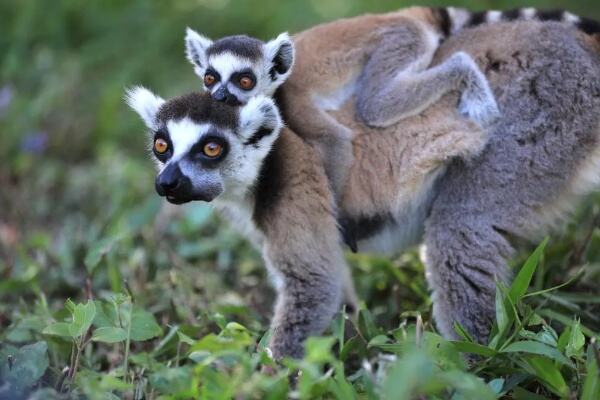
<point>260,123</point>
<point>280,51</point>
<point>145,103</point>
<point>195,50</point>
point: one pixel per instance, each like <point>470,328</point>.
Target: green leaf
<point>502,318</point>
<point>99,250</point>
<point>591,384</point>
<point>58,329</point>
<point>318,349</point>
<point>366,324</point>
<point>458,328</point>
<point>29,363</point>
<point>548,373</point>
<point>473,348</point>
<point>143,325</point>
<point>529,346</point>
<point>83,316</point>
<point>108,334</point>
<point>523,278</point>
<point>106,314</point>
<point>467,385</point>
<point>576,340</point>
<point>183,338</point>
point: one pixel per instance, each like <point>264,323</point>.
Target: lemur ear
<point>195,50</point>
<point>145,103</point>
<point>281,53</point>
<point>260,122</point>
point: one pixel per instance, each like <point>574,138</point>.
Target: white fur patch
<point>458,18</point>
<point>227,63</point>
<point>528,13</point>
<point>145,103</point>
<point>494,16</point>
<point>184,133</point>
<point>336,99</point>
<point>195,49</point>
<point>570,18</point>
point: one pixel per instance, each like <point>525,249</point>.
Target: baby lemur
<point>410,184</point>
<point>382,59</point>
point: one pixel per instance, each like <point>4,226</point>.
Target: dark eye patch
<point>244,73</point>
<point>196,152</point>
<point>213,72</point>
<point>162,134</point>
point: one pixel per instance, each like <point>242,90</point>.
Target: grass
<point>146,302</point>
<point>105,292</point>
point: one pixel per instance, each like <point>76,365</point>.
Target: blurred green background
<point>79,216</point>
<point>75,175</point>
<point>76,184</point>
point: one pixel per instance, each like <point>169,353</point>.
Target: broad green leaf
<point>576,340</point>
<point>467,385</point>
<point>173,380</point>
<point>58,329</point>
<point>366,324</point>
<point>548,373</point>
<point>27,366</point>
<point>591,384</point>
<point>531,347</point>
<point>106,314</point>
<point>473,348</point>
<point>183,338</point>
<point>82,318</point>
<point>408,374</point>
<point>97,251</point>
<point>143,325</point>
<point>523,278</point>
<point>496,385</point>
<point>318,349</point>
<point>502,318</point>
<point>109,334</point>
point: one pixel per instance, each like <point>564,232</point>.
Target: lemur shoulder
<point>382,59</point>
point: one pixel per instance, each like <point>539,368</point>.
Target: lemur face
<point>236,68</point>
<point>205,148</point>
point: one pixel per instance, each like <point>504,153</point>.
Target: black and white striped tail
<point>454,19</point>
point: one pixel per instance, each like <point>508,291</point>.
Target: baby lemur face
<point>236,68</point>
<point>205,148</point>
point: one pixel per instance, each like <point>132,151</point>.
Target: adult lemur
<point>382,59</point>
<point>407,185</point>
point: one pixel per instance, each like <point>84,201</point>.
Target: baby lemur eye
<point>212,149</point>
<point>209,79</point>
<point>161,146</point>
<point>246,83</point>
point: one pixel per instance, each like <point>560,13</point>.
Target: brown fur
<point>332,55</point>
<point>386,176</point>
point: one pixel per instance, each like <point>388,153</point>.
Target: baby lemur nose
<point>222,94</point>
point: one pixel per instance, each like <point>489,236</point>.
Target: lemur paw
<point>477,101</point>
<point>481,109</point>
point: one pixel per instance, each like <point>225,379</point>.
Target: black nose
<point>221,94</point>
<point>170,180</point>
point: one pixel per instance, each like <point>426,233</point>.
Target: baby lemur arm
<point>395,84</point>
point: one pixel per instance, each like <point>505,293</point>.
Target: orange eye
<point>246,83</point>
<point>212,149</point>
<point>209,79</point>
<point>161,146</point>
